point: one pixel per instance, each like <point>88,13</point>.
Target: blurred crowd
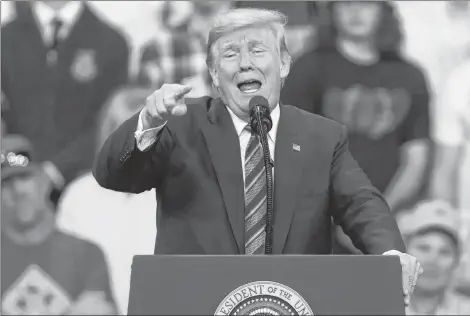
<point>397,74</point>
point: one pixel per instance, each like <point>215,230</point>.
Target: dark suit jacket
<point>48,104</point>
<point>196,169</point>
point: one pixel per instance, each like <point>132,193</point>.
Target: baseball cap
<point>428,215</point>
<point>16,155</point>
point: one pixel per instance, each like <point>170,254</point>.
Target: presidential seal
<point>263,298</point>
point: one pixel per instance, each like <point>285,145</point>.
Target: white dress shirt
<point>68,15</point>
<point>145,138</point>
<point>244,135</point>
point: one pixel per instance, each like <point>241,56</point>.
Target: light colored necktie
<point>255,197</point>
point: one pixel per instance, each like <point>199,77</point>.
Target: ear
<point>285,65</point>
<point>215,76</point>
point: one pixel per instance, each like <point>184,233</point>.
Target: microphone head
<point>260,101</point>
<point>260,114</point>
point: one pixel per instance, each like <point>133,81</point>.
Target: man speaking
<point>211,174</point>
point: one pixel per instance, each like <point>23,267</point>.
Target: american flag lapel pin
<point>295,147</point>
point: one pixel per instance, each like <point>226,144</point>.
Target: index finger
<point>183,89</point>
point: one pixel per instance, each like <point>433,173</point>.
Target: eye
<point>229,54</point>
<point>258,50</point>
<point>447,252</point>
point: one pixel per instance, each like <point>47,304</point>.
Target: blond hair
<point>236,19</point>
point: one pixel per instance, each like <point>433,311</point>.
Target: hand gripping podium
<point>266,285</point>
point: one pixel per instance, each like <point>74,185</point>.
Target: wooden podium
<point>269,285</point>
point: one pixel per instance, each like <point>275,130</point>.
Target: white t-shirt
<point>123,225</point>
<point>453,119</point>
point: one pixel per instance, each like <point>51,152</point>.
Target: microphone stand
<point>262,132</point>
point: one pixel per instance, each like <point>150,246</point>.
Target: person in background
<point>122,224</point>
<point>59,64</point>
<point>178,54</point>
<point>431,234</point>
<point>301,27</point>
<point>205,162</point>
<point>450,179</point>
<point>452,135</point>
<point>357,77</point>
<point>44,271</point>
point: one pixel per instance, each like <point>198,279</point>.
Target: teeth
<point>250,86</point>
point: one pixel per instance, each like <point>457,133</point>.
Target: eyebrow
<point>229,46</point>
<point>233,45</point>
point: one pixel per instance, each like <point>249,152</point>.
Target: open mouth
<point>249,86</point>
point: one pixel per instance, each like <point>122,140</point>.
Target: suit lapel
<point>224,147</point>
<point>287,172</point>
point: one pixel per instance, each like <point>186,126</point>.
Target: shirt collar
<point>241,124</point>
<point>68,14</point>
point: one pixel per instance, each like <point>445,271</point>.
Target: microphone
<point>261,124</point>
<point>260,114</point>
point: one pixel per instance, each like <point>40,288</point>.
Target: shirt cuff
<point>54,174</point>
<point>146,138</point>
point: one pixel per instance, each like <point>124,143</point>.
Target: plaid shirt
<point>172,57</point>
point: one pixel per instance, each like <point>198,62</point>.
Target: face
<point>248,62</point>
<point>21,201</point>
<point>437,254</point>
<point>357,19</point>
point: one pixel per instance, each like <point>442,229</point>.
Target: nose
<point>17,185</point>
<point>245,61</point>
<point>20,185</point>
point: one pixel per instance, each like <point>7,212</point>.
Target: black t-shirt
<point>383,105</point>
<point>47,278</point>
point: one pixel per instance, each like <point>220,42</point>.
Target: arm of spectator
<point>409,177</point>
<point>444,177</point>
<point>449,135</point>
<point>96,297</point>
<point>414,163</point>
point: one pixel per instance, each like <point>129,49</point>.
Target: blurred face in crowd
<point>22,201</point>
<point>248,62</point>
<point>437,253</point>
<point>357,19</point>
